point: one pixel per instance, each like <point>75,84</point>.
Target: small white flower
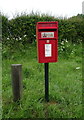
<point>61,49</point>
<point>77,68</point>
<point>25,35</point>
<point>19,38</point>
<point>62,42</point>
<point>7,38</point>
<point>66,40</point>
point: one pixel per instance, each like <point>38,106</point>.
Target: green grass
<point>65,87</point>
<point>0,80</point>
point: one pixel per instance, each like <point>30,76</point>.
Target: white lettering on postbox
<point>48,52</point>
<point>47,35</point>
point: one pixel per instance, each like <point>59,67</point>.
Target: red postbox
<point>47,41</point>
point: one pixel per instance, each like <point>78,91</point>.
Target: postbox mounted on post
<point>47,41</point>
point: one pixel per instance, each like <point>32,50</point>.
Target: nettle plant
<point>66,47</point>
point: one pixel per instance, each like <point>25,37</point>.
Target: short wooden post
<point>16,71</point>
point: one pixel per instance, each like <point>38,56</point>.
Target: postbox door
<point>47,51</point>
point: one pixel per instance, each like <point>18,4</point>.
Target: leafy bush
<point>20,31</point>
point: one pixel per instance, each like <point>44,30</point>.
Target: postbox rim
<point>47,22</point>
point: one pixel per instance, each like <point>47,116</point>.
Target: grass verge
<point>65,87</point>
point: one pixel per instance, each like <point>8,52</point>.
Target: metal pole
<point>16,73</point>
<point>46,82</point>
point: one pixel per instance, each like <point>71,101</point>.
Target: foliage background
<point>22,29</point>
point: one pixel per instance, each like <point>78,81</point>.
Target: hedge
<point>22,29</point>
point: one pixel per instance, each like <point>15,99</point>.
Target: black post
<point>46,82</point>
